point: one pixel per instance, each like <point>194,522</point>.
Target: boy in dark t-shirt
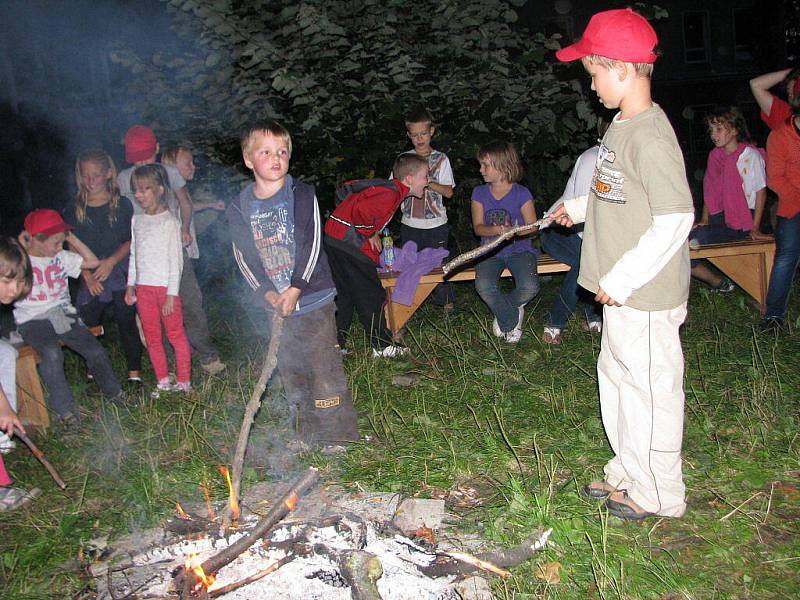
<point>276,234</point>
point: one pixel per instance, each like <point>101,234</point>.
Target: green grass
<point>518,424</point>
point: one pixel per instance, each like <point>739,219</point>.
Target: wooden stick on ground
<point>481,250</point>
<point>41,458</point>
<point>186,580</point>
<point>270,362</point>
<point>252,578</point>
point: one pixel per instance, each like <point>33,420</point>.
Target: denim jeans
<point>503,305</point>
<point>40,335</point>
<point>787,256</point>
<point>565,246</point>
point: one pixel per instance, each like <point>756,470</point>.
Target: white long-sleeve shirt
<point>156,251</point>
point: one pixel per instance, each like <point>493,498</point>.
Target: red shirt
<point>779,112</point>
<point>783,168</point>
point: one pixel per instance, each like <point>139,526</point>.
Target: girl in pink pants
<point>154,276</point>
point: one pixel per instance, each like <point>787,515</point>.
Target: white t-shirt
<point>429,212</point>
<point>50,286</point>
<point>176,182</point>
<point>156,254</point>
<point>753,170</point>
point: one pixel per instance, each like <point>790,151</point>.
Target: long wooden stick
<point>270,362</point>
<point>481,250</point>
<point>41,458</point>
<point>252,578</point>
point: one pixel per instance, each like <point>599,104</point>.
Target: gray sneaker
<point>392,351</point>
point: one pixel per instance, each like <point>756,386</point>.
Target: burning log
<point>41,458</point>
<point>270,362</point>
<point>188,579</point>
<point>461,563</point>
<point>481,250</point>
<point>360,569</point>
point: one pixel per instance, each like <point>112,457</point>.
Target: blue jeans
<point>716,232</point>
<point>565,246</point>
<point>787,256</point>
<point>526,285</point>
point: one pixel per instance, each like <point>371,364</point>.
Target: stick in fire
<point>481,250</point>
<point>41,458</point>
<point>186,581</point>
<point>270,362</point>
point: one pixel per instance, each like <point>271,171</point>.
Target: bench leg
<point>31,407</point>
<point>397,315</point>
<point>749,271</point>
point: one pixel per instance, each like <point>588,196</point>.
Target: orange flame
<point>291,501</point>
<point>192,563</point>
<point>232,502</point>
<point>211,515</point>
<point>182,514</point>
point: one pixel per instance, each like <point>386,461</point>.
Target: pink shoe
<point>182,386</point>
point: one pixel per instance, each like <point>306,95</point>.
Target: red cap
<point>620,34</point>
<point>45,221</point>
<point>140,143</point>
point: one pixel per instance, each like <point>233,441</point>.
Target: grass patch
<point>517,425</point>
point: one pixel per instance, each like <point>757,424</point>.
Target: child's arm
<point>215,205</point>
<point>8,418</point>
<point>307,236</point>
<point>479,227</point>
<point>445,190</point>
<point>174,255</point>
<point>761,85</point>
<point>90,261</point>
<point>758,215</point>
<point>286,302</point>
<point>185,207</point>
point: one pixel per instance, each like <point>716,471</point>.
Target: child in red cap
<point>46,318</point>
<point>638,215</point>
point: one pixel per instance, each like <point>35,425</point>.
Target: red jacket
<point>361,215</point>
<point>783,168</point>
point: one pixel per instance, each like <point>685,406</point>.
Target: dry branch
<point>41,458</point>
<point>481,250</point>
<point>254,577</point>
<point>270,362</point>
<point>282,507</point>
<point>360,569</point>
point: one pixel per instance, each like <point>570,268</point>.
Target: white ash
<point>399,556</point>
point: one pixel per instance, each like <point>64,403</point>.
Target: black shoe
<point>625,512</point>
<point>725,286</point>
<point>771,325</point>
<point>594,491</point>
<point>121,399</point>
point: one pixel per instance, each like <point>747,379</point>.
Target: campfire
<point>311,543</point>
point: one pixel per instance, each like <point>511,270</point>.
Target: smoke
<point>60,93</point>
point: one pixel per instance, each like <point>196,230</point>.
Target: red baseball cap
<point>45,221</point>
<point>140,143</point>
<point>620,34</point>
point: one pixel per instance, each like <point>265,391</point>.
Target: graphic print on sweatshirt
<point>608,182</point>
<point>273,231</point>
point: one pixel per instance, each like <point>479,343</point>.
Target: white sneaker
<point>521,316</point>
<point>594,326</point>
<point>513,336</point>
<point>389,351</point>
<point>162,386</point>
<point>496,329</point>
<point>184,387</point>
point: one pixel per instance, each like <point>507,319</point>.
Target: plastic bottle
<point>388,248</point>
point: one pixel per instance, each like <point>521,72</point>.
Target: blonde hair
<point>264,127</point>
<point>641,69</point>
<point>101,157</point>
<point>156,175</point>
<point>170,155</point>
<point>15,264</point>
<point>408,164</point>
<point>504,157</point>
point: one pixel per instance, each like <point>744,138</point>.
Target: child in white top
<point>46,318</point>
<point>154,276</point>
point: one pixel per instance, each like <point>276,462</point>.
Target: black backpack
<point>359,185</point>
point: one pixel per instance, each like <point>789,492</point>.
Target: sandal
<point>597,490</point>
<point>625,508</point>
<point>12,498</point>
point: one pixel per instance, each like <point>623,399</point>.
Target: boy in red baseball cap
<point>638,215</point>
<point>46,318</point>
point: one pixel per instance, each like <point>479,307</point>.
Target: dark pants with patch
<point>310,366</point>
<point>40,335</point>
<point>194,317</point>
<point>358,288</point>
<point>92,314</point>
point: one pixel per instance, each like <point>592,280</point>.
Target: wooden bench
<point>31,406</point>
<point>746,263</point>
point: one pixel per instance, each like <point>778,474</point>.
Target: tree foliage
<point>340,74</point>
